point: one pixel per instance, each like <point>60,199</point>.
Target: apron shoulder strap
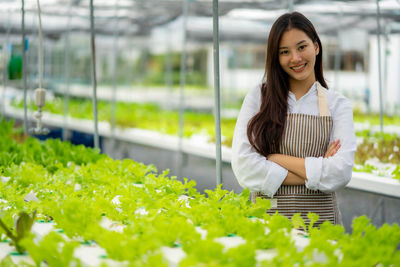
<point>322,102</point>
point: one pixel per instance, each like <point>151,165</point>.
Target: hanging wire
<point>67,72</point>
<point>378,24</point>
<point>182,88</point>
<point>217,97</point>
<point>115,71</point>
<point>40,93</point>
<point>94,82</point>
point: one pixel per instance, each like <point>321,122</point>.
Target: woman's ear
<point>316,46</point>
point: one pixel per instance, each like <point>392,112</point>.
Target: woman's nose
<point>295,57</point>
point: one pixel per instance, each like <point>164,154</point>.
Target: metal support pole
<point>378,24</point>
<point>168,71</point>
<point>115,71</point>
<point>6,47</point>
<point>182,88</point>
<point>94,82</point>
<point>217,93</point>
<point>32,58</point>
<point>367,93</point>
<point>337,64</point>
<point>67,72</point>
<point>40,48</point>
<point>233,77</point>
<point>337,53</point>
<point>387,30</point>
<point>290,6</point>
<point>24,68</point>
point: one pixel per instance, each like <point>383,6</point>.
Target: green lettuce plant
<point>53,250</point>
<point>23,225</point>
<point>147,210</point>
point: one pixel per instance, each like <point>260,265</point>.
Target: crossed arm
<point>296,166</point>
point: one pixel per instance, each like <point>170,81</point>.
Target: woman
<point>294,140</point>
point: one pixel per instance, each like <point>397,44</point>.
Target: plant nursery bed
<point>196,146</point>
<point>91,254</point>
<point>375,184</point>
<point>97,211</point>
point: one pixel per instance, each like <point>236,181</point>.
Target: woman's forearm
<point>292,164</point>
<point>297,165</point>
<point>293,179</point>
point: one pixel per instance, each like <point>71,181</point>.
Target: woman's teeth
<point>298,67</point>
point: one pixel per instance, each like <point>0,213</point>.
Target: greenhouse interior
<point>117,127</point>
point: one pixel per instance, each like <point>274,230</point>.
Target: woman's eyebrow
<point>285,47</point>
<point>302,41</point>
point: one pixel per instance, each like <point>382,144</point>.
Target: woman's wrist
<point>293,164</point>
<point>293,179</point>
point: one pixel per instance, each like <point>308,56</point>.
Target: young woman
<point>294,140</point>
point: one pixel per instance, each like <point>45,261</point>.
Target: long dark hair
<point>266,128</point>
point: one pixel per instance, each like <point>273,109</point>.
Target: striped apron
<point>305,136</point>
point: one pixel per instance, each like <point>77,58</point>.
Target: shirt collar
<point>311,91</point>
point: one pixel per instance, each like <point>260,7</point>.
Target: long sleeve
<point>251,169</point>
<point>330,174</point>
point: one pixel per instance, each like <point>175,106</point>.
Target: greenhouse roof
<point>141,16</point>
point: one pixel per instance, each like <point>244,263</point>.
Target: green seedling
<point>23,227</point>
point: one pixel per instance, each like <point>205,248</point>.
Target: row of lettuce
<point>76,187</point>
<point>376,153</point>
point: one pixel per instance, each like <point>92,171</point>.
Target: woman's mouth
<point>299,68</point>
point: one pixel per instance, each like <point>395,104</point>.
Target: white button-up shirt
<point>255,172</point>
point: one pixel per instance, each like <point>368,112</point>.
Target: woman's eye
<point>302,47</point>
<point>283,52</point>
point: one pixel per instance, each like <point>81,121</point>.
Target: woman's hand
<point>332,149</point>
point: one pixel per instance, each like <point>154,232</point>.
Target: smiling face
<point>297,54</point>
